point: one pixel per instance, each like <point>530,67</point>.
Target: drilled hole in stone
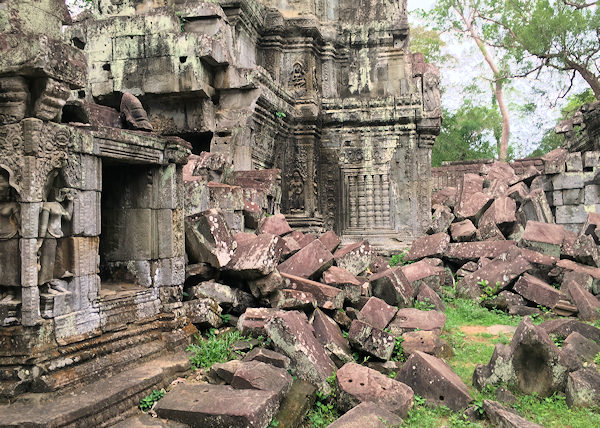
<point>362,384</point>
<point>106,67</point>
<point>349,380</point>
<point>183,59</point>
<point>441,398</point>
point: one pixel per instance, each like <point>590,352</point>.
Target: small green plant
<point>212,349</point>
<point>226,318</point>
<point>148,401</point>
<point>345,334</point>
<point>398,259</point>
<point>274,423</point>
<point>392,375</point>
<point>489,291</point>
<point>398,354</point>
<point>324,412</point>
<point>424,305</point>
<point>558,339</point>
<point>280,115</point>
<point>597,358</point>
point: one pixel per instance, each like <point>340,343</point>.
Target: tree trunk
<point>498,88</point>
<point>587,75</point>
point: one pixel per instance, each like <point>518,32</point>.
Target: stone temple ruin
<point>317,110</point>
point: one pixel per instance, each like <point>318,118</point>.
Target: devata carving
<point>432,98</point>
<point>13,99</point>
<point>133,114</point>
<point>298,78</point>
<point>296,191</point>
<point>9,209</point>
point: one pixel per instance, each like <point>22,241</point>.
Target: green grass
<point>213,349</point>
<point>461,312</point>
<point>423,416</point>
<point>324,411</point>
<point>553,412</point>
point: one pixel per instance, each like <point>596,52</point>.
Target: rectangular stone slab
<point>218,406</point>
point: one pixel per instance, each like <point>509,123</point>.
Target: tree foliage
<point>429,43</point>
<point>471,133</point>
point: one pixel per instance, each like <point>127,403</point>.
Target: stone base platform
<point>101,403</point>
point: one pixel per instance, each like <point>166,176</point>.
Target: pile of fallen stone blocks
<point>323,307</point>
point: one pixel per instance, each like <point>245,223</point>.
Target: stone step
<point>101,403</point>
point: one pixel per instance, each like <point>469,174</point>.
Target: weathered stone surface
<point>252,322</point>
<point>256,258</point>
<point>344,280</point>
<point>535,207</point>
<point>428,342</point>
<point>371,340</point>
<point>266,285</point>
<point>543,237</point>
<point>293,336</point>
<point>377,313</point>
<point>225,371</point>
<point>518,192</point>
<point>590,226</point>
<point>330,240</point>
<point>258,375</point>
<point>208,239</point>
<point>230,299</point>
<point>564,327</point>
<point>502,212</point>
<point>355,258</point>
<point>422,273</point>
<point>392,287</point>
<point>441,220</point>
<point>446,196</point>
<point>327,297</point>
<point>472,251</point>
<point>498,273</point>
<point>357,384</point>
<point>587,304</point>
<point>467,187</point>
<point>501,171</point>
<point>583,388</point>
<point>205,312</point>
<point>367,414</point>
<point>218,406</point>
<point>463,231</point>
<point>296,405</point>
<point>554,161</point>
<point>328,333</point>
<point>581,346</point>
<point>531,362</point>
<point>434,380</point>
<point>275,225</point>
<point>289,246</point>
<point>428,246</point>
<point>427,296</point>
<point>538,291</point>
<point>289,299</point>
<point>502,417</point>
<point>410,319</point>
<point>310,262</point>
<point>267,356</point>
<point>474,207</point>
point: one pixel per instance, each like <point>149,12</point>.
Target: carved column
<point>370,212</point>
<point>378,201</point>
<point>362,201</point>
<point>353,191</point>
<point>385,187</point>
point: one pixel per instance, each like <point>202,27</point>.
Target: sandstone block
<point>330,240</point>
<point>428,246</point>
<point>293,300</point>
<point>328,333</point>
<point>583,388</point>
<point>230,299</point>
<point>267,285</point>
<point>422,273</point>
<point>392,287</point>
<point>587,304</point>
<point>463,231</point>
<point>294,337</point>
<point>568,180</point>
<point>544,237</point>
<point>584,348</point>
<point>427,296</point>
<point>538,291</point>
<point>256,258</point>
<point>428,342</point>
<point>258,375</point>
<point>340,278</point>
<point>310,262</point>
<point>355,258</point>
<point>226,370</point>
<point>441,220</point>
<point>371,340</point>
<point>208,239</point>
<point>275,225</point>
<point>252,322</point>
<point>446,196</point>
<point>474,207</point>
<point>218,406</point>
<point>409,319</point>
<point>498,273</point>
<point>267,356</point>
<point>367,415</point>
<point>358,384</point>
<point>327,297</point>
<point>500,416</point>
<point>464,252</point>
<point>205,312</point>
<point>377,313</point>
<point>571,214</point>
<point>564,327</point>
<point>435,381</point>
<point>554,161</point>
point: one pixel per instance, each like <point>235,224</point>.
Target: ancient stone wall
<point>325,91</point>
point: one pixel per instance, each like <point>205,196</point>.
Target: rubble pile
<point>339,320</point>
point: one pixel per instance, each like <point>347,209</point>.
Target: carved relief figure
<point>51,228</point>
<point>9,209</point>
<point>298,77</point>
<point>133,114</point>
<point>296,193</point>
<point>432,100</point>
<point>13,99</point>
